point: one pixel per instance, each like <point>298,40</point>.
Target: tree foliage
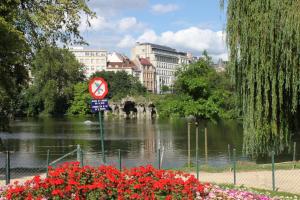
<point>25,27</point>
<point>55,72</point>
<point>121,84</point>
<point>46,22</point>
<point>264,42</point>
<point>201,92</point>
<point>80,105</point>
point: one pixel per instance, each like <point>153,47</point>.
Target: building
<point>118,62</point>
<point>148,74</point>
<point>93,60</point>
<point>166,61</point>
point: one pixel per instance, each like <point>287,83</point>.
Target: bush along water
<point>70,181</point>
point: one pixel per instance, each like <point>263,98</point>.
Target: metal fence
<point>230,168</point>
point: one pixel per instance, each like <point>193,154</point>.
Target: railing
<point>231,168</point>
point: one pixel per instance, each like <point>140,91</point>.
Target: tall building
<point>93,60</point>
<point>148,74</point>
<point>166,60</point>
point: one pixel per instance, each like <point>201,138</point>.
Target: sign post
<point>98,90</point>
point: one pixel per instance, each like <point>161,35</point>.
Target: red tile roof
<point>145,61</point>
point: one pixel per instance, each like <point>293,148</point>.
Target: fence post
<point>234,166</point>
<point>48,161</point>
<point>120,160</point>
<point>197,149</point>
<point>7,166</point>
<point>229,155</point>
<point>273,171</point>
<point>294,153</point>
<point>158,158</point>
<point>78,153</point>
<point>81,157</point>
<point>189,145</point>
<point>205,144</point>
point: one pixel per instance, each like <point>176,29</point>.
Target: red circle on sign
<point>97,84</point>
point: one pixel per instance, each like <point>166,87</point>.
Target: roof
<point>145,61</point>
<point>160,47</point>
<point>126,63</point>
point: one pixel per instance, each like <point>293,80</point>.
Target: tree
<point>25,27</point>
<point>165,88</point>
<point>80,105</point>
<point>264,39</point>
<point>201,92</point>
<point>55,72</point>
<point>46,22</point>
<point>13,74</point>
<point>121,84</point>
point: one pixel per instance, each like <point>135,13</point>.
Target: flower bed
<point>69,181</point>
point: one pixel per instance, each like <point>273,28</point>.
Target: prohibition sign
<point>98,88</point>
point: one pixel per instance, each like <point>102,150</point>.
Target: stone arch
<point>130,108</point>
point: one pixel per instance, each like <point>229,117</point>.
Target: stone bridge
<point>133,108</point>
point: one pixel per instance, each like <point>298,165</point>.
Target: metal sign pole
<point>102,136</point>
<point>98,89</point>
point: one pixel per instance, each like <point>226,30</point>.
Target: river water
<point>138,140</point>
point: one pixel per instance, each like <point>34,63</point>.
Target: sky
<point>186,25</point>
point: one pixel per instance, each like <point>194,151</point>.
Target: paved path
<point>285,180</point>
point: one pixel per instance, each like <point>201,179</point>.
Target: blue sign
<point>97,105</point>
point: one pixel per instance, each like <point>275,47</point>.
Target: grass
<point>242,166</point>
<point>281,195</point>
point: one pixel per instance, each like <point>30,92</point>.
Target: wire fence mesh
<point>212,166</point>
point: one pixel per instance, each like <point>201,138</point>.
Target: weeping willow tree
<point>264,42</point>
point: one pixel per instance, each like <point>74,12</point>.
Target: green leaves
<point>264,51</point>
<point>55,72</point>
<point>121,84</point>
<point>25,27</point>
<point>201,92</point>
<point>80,105</point>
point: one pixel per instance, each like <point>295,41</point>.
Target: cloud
<point>192,39</point>
<point>126,42</point>
<point>101,23</point>
<point>96,24</point>
<point>148,36</point>
<point>129,23</point>
<point>164,8</point>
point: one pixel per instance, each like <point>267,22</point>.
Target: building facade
<point>166,61</point>
<point>148,74</point>
<point>118,62</point>
<point>93,60</point>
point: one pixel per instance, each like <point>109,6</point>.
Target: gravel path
<point>285,180</point>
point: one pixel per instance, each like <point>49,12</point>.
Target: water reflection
<point>138,139</point>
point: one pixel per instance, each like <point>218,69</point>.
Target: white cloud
<point>148,36</point>
<point>164,8</point>
<point>192,39</point>
<point>129,23</point>
<point>127,42</point>
<point>96,24</point>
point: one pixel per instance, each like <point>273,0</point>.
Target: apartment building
<point>118,62</point>
<point>148,74</point>
<point>93,60</point>
<point>166,61</point>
